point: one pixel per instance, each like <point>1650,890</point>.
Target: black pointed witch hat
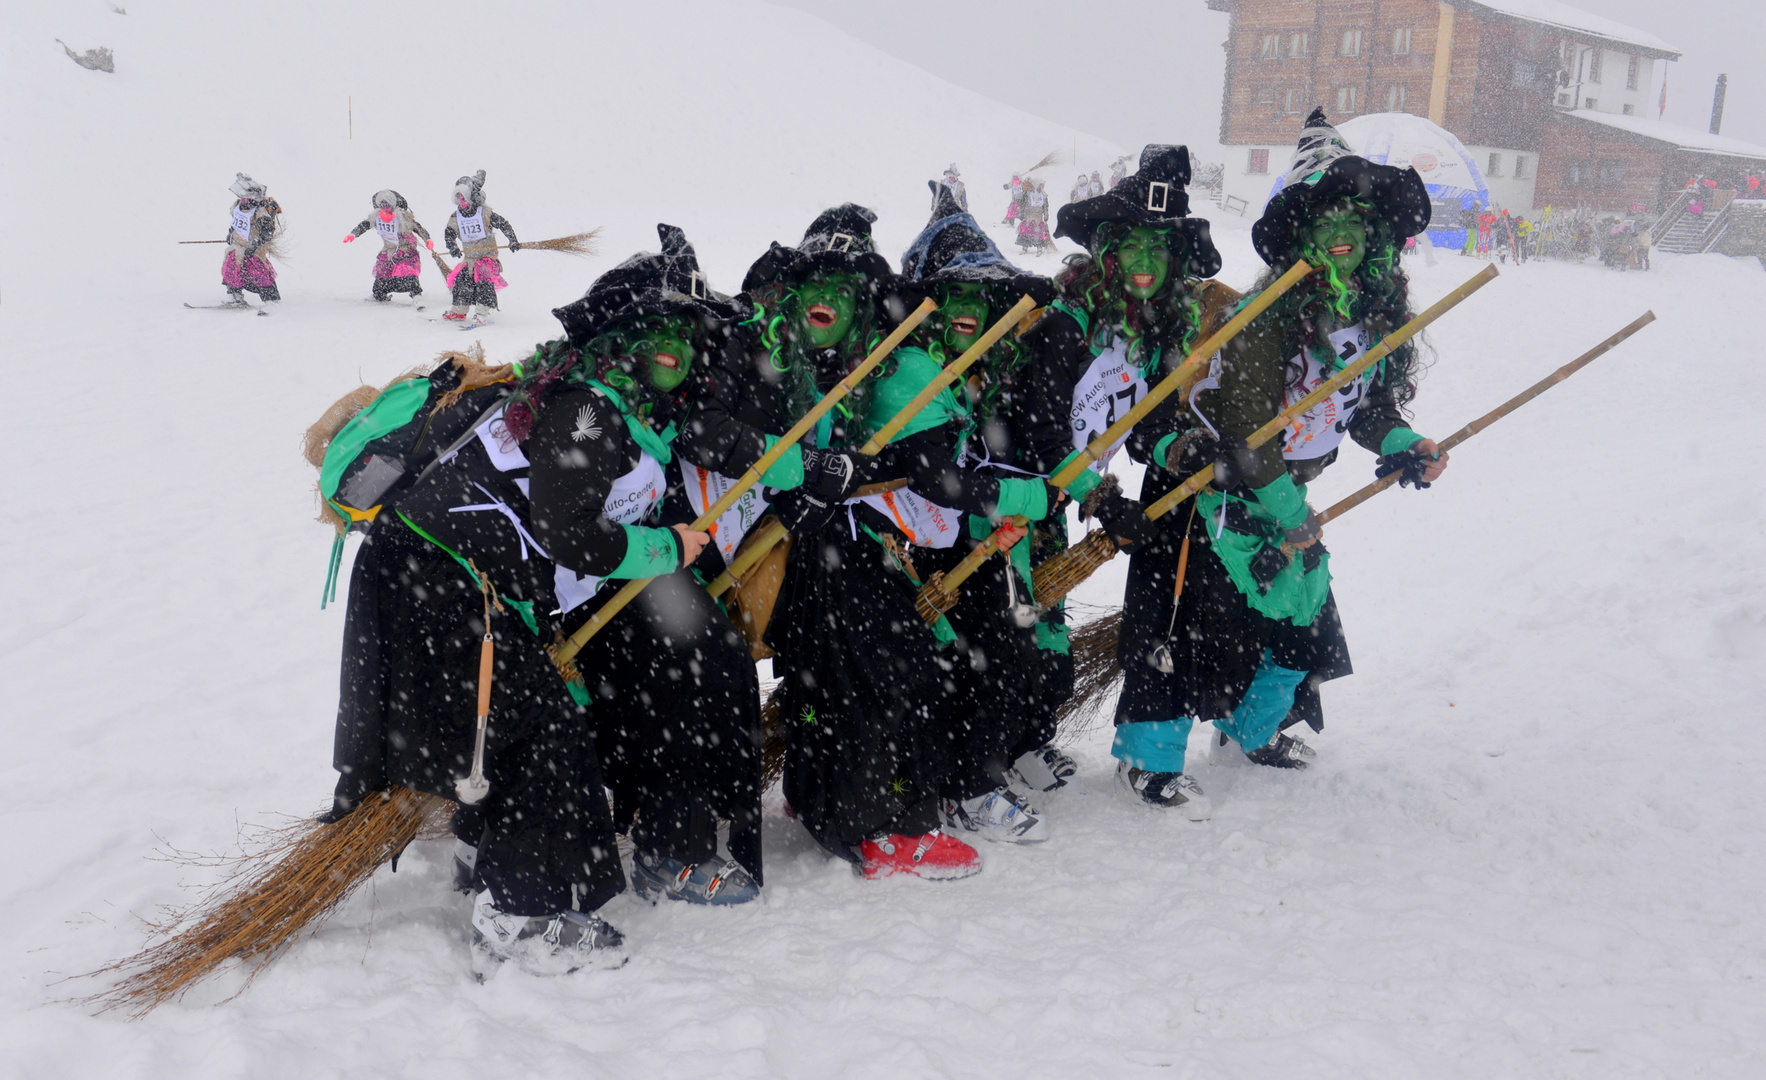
<point>839,238</point>
<point>1326,170</point>
<point>1154,196</point>
<point>952,248</point>
<point>648,283</point>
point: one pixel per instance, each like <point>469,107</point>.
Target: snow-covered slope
<point>1532,845</point>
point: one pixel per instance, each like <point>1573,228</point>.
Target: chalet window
<point>1395,98</point>
<point>1520,166</point>
<point>1346,100</point>
<point>1401,42</point>
<point>1526,74</point>
<point>1628,110</point>
<point>1611,173</point>
<point>1270,48</point>
<point>1632,70</point>
<point>1266,95</point>
<point>1581,174</point>
<point>1292,98</point>
<point>1299,45</point>
<point>1494,167</point>
<point>1350,45</point>
<point>1594,56</point>
<point>1591,103</point>
<point>1257,162</point>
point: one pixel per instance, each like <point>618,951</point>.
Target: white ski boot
<point>542,945</point>
<point>1166,790</point>
<point>1001,815</point>
<point>1043,769</point>
<point>1283,752</point>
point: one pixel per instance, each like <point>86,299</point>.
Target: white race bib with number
<point>388,230</point>
<point>1320,430</point>
<point>630,499</point>
<point>242,223</point>
<point>1107,390</point>
<point>704,488</point>
<point>471,228</point>
<point>923,522</point>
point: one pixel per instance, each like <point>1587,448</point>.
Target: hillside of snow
<point>1533,844</point>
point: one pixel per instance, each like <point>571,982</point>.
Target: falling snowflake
<point>586,425</point>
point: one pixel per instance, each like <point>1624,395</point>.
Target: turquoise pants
<point>1159,745</point>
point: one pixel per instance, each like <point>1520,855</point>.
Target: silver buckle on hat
<point>841,242</point>
<point>1158,194</point>
<point>696,286</point>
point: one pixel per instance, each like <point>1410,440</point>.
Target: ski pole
<point>930,601</point>
<point>600,618</point>
<point>1059,569</point>
<point>763,542</point>
<point>1350,502</point>
<point>203,241</point>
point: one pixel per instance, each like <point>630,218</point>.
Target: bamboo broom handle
<point>1351,502</point>
<point>1201,354</point>
<point>1165,503</point>
<point>763,542</point>
<point>600,618</point>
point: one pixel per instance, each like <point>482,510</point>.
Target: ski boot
<point>1043,769</point>
<point>934,856</point>
<point>542,945</point>
<point>1000,814</point>
<point>465,868</point>
<point>717,881</point>
<point>1283,752</point>
<point>1166,790</point>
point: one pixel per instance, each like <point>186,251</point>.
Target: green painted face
<point>964,312</point>
<point>830,297</point>
<point>1144,258</point>
<point>666,342</point>
<point>1339,236</point>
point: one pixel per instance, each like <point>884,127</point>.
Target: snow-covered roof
<point>1687,138</point>
<point>1565,17</point>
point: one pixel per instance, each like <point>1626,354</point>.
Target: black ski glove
<point>834,476</point>
<point>803,512</point>
<point>514,245</point>
<point>1234,465</point>
<point>1410,462</point>
<point>1126,522</point>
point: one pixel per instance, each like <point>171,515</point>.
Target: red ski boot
<point>934,856</point>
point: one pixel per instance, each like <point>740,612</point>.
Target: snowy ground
<point>1532,845</point>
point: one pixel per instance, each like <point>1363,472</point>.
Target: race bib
<point>1320,430</point>
<point>705,488</point>
<point>923,522</point>
<point>242,223</point>
<point>630,499</point>
<point>388,230</point>
<point>471,228</point>
<point>1108,389</point>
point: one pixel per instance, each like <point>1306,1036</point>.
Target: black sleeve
<point>367,223</point>
<point>570,479</point>
<point>927,460</point>
<point>1041,414</point>
<point>498,221</point>
<point>263,230</point>
<point>417,228</point>
<point>728,412</point>
<point>451,237</point>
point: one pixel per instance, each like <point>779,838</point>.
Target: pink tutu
<point>258,273</point>
<point>482,271</point>
<point>404,263</point>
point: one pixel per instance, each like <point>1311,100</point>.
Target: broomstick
<point>1053,157</point>
<point>938,595</point>
<point>567,651</point>
<point>1062,573</point>
<point>204,241</point>
<point>1094,644</point>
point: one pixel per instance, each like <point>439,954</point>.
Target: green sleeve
<point>1398,440</point>
<point>1283,501</point>
<point>1029,498</point>
<point>648,553</point>
<point>1163,447</point>
<point>1082,484</point>
<point>787,472</point>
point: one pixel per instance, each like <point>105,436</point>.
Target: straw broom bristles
<point>772,733</point>
<point>297,878</point>
<point>580,244</point>
<point>1095,674</point>
<point>1053,157</point>
<point>1063,572</point>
